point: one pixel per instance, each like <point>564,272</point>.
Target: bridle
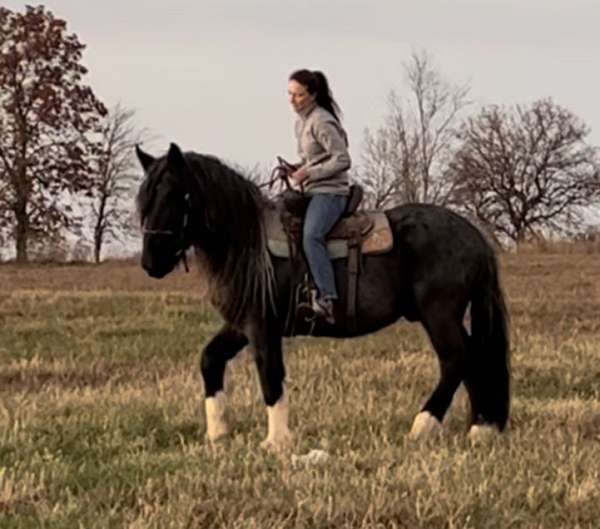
<point>180,234</point>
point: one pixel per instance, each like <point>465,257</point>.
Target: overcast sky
<point>212,75</point>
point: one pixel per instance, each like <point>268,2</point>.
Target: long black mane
<point>233,251</point>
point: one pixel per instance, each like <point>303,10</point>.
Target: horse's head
<point>164,206</point>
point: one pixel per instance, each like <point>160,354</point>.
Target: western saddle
<point>357,233</point>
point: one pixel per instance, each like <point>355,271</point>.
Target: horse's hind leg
<point>446,335</point>
<point>483,406</point>
<point>222,347</point>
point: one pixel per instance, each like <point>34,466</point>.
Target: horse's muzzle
<point>155,269</point>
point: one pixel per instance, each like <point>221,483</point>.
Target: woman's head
<point>306,86</point>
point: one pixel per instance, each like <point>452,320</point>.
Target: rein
<point>280,173</point>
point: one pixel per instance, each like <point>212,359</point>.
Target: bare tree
<point>259,174</point>
<point>405,159</point>
<point>114,178</point>
<point>526,170</point>
<point>46,112</point>
<point>388,168</point>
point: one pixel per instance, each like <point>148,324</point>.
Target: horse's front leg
<point>271,371</point>
<point>222,348</point>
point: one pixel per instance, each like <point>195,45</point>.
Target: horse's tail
<point>488,371</point>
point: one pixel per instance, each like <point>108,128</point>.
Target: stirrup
<point>321,309</point>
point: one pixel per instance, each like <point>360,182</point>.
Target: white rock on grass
<point>313,458</point>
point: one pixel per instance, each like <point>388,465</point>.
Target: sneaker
<point>323,308</point>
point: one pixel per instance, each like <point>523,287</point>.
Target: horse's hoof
<point>218,434</point>
<point>425,425</point>
<point>483,433</point>
<point>281,443</point>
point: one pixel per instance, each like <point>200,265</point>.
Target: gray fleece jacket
<point>323,152</point>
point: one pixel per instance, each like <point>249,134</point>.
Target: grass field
<point>102,422</point>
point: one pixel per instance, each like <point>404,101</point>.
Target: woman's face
<point>299,96</point>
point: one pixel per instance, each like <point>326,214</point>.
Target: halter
<point>180,235</point>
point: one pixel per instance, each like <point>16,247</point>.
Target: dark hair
<point>316,83</point>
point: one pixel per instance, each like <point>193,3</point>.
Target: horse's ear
<point>145,159</point>
<point>175,159</point>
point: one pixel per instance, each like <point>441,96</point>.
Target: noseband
<point>180,234</point>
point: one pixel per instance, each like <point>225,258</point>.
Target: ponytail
<point>325,97</point>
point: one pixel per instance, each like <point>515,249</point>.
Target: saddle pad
<point>379,240</point>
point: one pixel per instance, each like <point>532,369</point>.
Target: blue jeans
<point>324,210</point>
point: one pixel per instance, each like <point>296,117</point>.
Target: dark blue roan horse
<point>439,264</point>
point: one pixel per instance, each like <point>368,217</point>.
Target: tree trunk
<point>97,248</point>
<point>98,240</point>
<point>99,236</point>
<point>100,226</point>
<point>22,233</point>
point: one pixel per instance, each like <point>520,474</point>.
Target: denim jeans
<point>324,210</point>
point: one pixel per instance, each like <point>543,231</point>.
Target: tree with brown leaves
<point>526,170</point>
<point>46,116</point>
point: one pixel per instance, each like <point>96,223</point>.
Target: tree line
<point>67,164</point>
<point>520,172</point>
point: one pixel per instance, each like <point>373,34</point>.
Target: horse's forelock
<point>145,196</point>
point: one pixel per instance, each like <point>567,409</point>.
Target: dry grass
<point>111,275</point>
<point>101,421</point>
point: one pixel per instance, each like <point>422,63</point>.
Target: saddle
<point>357,233</point>
<point>368,229</point>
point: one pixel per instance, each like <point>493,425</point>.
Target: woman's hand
<point>300,175</point>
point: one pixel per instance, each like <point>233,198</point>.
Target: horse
<point>439,264</point>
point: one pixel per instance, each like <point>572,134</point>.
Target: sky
<point>212,75</point>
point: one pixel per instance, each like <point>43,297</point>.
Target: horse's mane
<point>235,256</point>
